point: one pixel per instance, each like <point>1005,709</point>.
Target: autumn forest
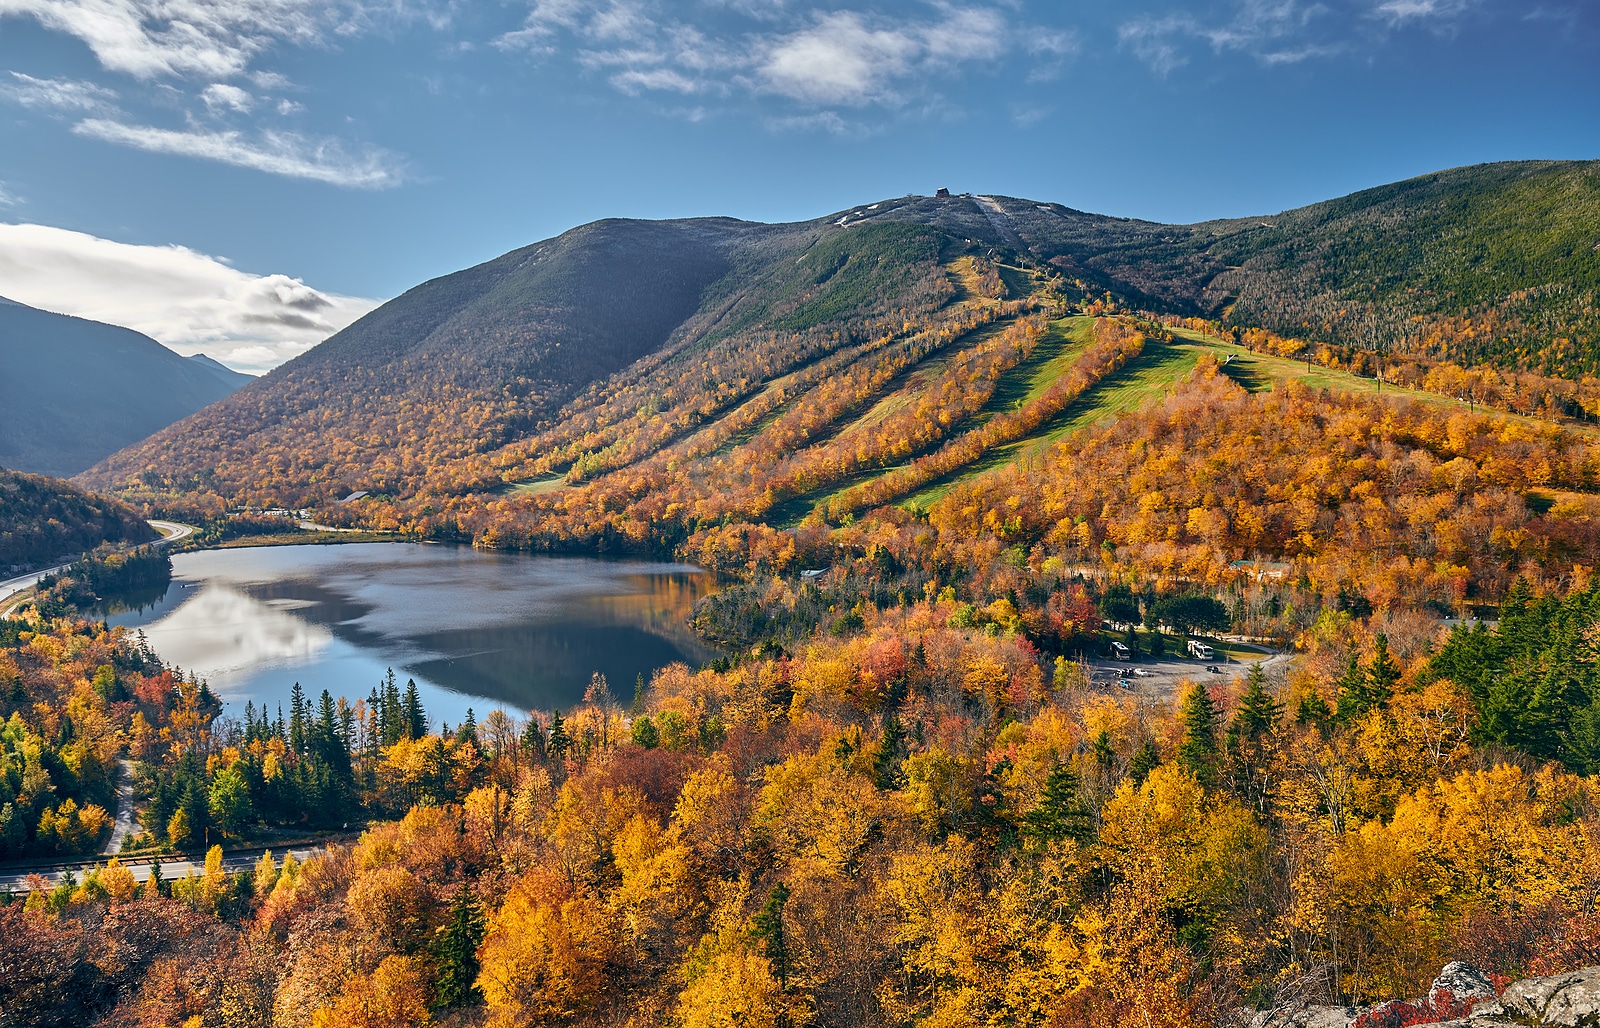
<point>948,457</point>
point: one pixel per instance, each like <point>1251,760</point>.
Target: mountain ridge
<point>693,318</point>
<point>76,390</point>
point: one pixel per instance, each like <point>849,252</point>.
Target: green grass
<point>1145,379</point>
<point>1152,376</point>
<point>538,486</point>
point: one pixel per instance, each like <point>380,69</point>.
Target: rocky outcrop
<point>1568,1000</point>
<point>1463,997</point>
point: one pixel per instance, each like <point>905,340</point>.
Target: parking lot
<point>1158,679</point>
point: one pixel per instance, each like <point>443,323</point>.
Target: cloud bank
<point>190,302</point>
<point>817,61</point>
<point>181,54</point>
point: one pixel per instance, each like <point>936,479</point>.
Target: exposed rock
<point>1566,1000</point>
<point>1460,983</point>
<point>1307,1017</point>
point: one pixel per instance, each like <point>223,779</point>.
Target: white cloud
<point>148,39</point>
<point>189,301</point>
<point>1271,31</point>
<point>220,96</point>
<point>56,94</point>
<point>838,61</point>
<point>1397,12</point>
<point>839,58</point>
<point>278,153</point>
<point>8,198</point>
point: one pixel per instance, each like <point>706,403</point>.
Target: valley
<point>952,610</point>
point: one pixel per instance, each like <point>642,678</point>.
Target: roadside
<point>125,824</point>
<point>19,880</point>
<point>171,532</point>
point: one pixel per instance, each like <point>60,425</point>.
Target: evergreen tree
<point>560,742</point>
<point>886,758</point>
<point>1258,712</point>
<point>638,695</point>
<point>297,719</point>
<point>1060,812</point>
<point>1313,710</point>
<point>1351,689</point>
<point>468,730</point>
<point>1145,760</point>
<point>1104,755</point>
<point>1383,674</point>
<point>456,952</point>
<point>767,928</point>
<point>393,723</point>
<point>1198,751</point>
<point>416,719</point>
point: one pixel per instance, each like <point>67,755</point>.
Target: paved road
<point>15,882</point>
<point>171,532</point>
<point>125,823</point>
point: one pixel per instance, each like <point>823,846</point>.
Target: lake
<point>481,630</point>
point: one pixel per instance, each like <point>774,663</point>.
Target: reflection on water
<point>474,629</point>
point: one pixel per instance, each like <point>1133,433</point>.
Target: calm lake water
<point>485,630</point>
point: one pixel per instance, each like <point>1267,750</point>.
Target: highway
<point>14,880</point>
<point>171,532</point>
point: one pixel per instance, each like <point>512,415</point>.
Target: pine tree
<point>1198,751</point>
<point>297,719</point>
<point>1104,755</point>
<point>416,719</point>
<point>559,742</point>
<point>1351,690</point>
<point>1258,712</point>
<point>468,731</point>
<point>638,695</point>
<point>767,928</point>
<point>456,952</point>
<point>1383,674</point>
<point>393,721</point>
<point>886,758</point>
<point>1145,760</point>
<point>1313,710</point>
<point>1060,813</point>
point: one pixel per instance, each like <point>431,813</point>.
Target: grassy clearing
<point>1143,380</point>
<point>538,486</point>
<point>911,383</point>
<point>1154,374</point>
<point>969,289</point>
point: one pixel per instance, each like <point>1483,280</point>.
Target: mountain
<point>221,372</point>
<point>75,391</point>
<point>623,344</point>
<point>42,519</point>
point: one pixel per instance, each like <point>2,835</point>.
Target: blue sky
<point>296,161</point>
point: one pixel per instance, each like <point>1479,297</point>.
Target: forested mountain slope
<point>43,518</point>
<point>673,349</point>
<point>74,391</point>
